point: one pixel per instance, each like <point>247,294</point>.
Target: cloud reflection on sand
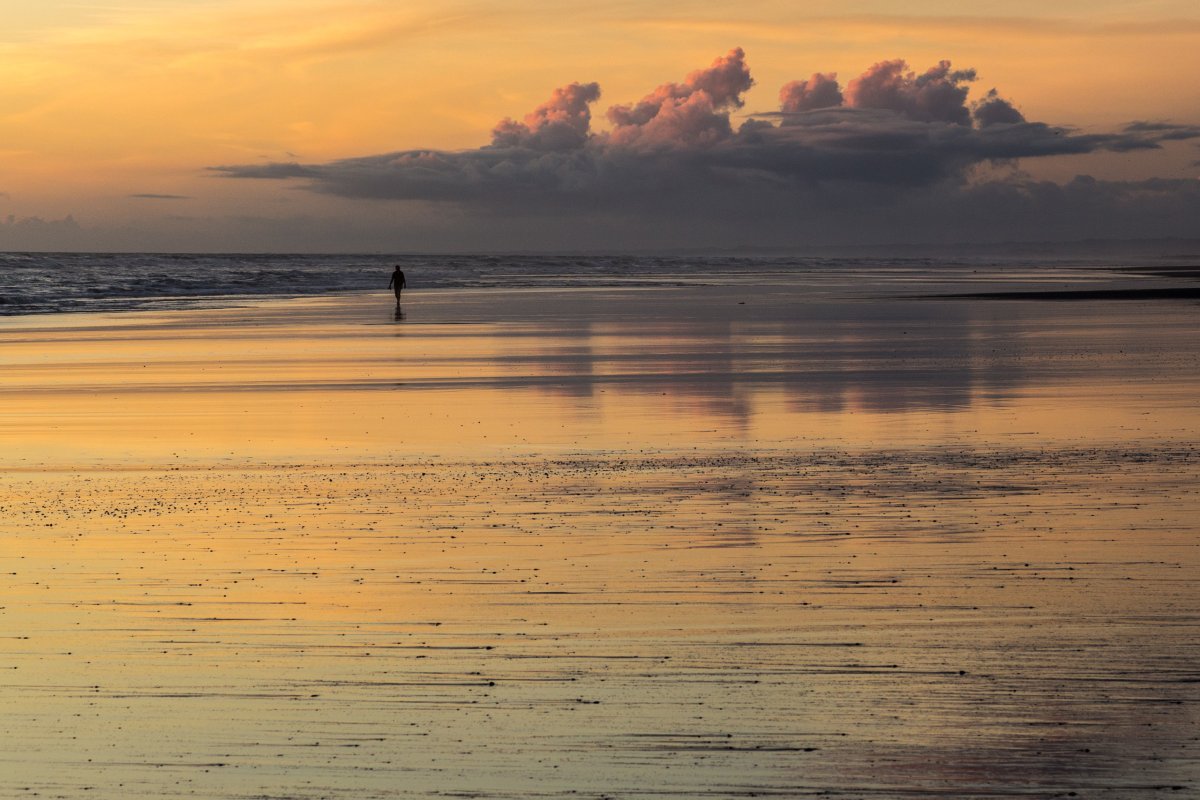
<point>704,365</point>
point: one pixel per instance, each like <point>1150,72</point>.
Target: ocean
<point>32,283</point>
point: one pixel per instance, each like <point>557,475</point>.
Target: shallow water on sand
<point>610,544</point>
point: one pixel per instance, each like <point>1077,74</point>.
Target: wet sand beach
<point>675,542</point>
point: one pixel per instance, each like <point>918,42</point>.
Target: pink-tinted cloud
<point>560,123</point>
<point>819,91</point>
<point>937,95</point>
<point>695,112</point>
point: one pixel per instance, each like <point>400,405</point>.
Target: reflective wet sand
<point>689,542</point>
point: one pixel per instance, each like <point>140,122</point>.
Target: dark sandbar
<point>1169,293</point>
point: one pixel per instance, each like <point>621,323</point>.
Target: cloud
<point>892,135</point>
<point>689,114</point>
<point>560,123</point>
<point>152,196</point>
<point>937,95</point>
<point>819,91</point>
<point>1165,131</point>
<point>36,233</point>
<point>995,110</point>
<point>852,27</point>
<point>1083,207</point>
<point>744,215</point>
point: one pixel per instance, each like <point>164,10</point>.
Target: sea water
<point>51,282</point>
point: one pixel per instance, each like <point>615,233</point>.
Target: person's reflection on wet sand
<point>399,315</point>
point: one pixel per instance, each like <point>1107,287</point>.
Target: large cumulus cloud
<point>937,95</point>
<point>560,123</point>
<point>691,114</point>
<point>819,91</point>
<point>890,131</point>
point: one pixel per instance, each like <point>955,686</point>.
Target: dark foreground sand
<point>671,543</point>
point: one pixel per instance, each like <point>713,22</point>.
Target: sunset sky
<point>270,125</point>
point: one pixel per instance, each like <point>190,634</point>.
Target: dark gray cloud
<point>995,110</point>
<point>36,233</point>
<point>1165,131</point>
<point>841,144</point>
<point>277,170</point>
<point>152,196</point>
<point>893,136</point>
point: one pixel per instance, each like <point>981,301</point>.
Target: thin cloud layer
<point>677,152</point>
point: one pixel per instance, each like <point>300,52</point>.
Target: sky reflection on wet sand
<point>635,543</point>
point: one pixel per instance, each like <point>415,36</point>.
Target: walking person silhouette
<point>397,283</point>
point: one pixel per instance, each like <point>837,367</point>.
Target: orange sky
<point>102,102</point>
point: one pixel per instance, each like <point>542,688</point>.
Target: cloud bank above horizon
<point>888,136</point>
